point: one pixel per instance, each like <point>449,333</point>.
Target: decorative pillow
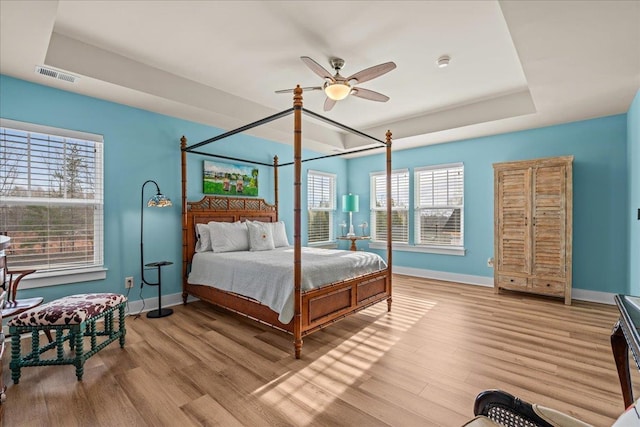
<point>260,236</point>
<point>279,234</point>
<point>229,236</point>
<point>203,244</point>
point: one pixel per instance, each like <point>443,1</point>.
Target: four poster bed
<point>309,306</point>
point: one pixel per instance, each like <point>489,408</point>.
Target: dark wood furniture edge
<point>620,350</point>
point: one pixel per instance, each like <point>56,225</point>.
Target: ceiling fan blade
<point>372,72</point>
<point>304,89</point>
<point>369,94</point>
<point>328,104</point>
<point>317,68</point>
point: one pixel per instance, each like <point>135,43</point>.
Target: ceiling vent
<point>55,74</point>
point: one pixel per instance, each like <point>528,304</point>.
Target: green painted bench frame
<point>74,334</point>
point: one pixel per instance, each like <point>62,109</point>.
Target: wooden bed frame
<point>313,309</point>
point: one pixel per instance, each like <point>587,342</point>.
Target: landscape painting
<point>229,180</point>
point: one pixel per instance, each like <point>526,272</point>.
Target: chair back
<point>7,280</point>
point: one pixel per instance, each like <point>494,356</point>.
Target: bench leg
<point>59,343</point>
<point>79,361</point>
<point>122,328</point>
<point>15,358</point>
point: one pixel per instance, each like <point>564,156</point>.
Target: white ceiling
<point>514,64</point>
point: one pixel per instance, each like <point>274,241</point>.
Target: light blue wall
<point>600,260</point>
<point>140,145</point>
<point>633,149</point>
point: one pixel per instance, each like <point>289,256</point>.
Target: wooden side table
<point>354,239</point>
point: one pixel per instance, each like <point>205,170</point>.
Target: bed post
<point>389,230</point>
<point>297,249</point>
<point>183,145</point>
<point>275,184</point>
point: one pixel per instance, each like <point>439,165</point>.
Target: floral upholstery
<point>71,310</point>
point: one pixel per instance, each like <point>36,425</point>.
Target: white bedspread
<point>267,276</point>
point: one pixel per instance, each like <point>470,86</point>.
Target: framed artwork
<point>227,179</point>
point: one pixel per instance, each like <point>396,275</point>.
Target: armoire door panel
<point>549,221</point>
<point>513,221</point>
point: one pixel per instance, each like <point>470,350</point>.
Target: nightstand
<point>354,239</point>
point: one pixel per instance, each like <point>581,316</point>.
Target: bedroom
<point>141,145</point>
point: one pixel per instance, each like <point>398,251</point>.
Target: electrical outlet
<point>490,262</point>
<point>128,282</point>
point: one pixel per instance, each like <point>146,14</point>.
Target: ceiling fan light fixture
<point>443,61</point>
<point>337,91</point>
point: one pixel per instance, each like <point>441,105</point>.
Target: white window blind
<point>399,206</point>
<point>51,191</point>
<point>321,204</point>
<point>439,204</point>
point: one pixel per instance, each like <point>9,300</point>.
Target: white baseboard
<point>148,304</point>
<point>593,296</point>
<point>444,275</point>
<point>577,294</point>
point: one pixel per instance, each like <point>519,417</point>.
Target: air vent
<point>55,74</point>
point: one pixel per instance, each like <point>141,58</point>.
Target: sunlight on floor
<point>315,385</point>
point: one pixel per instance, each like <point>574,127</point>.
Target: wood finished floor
<point>422,364</point>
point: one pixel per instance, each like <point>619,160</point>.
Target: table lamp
<point>351,204</point>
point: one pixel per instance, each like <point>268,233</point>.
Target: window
<point>321,202</point>
<point>399,206</point>
<point>52,198</point>
<point>439,204</point>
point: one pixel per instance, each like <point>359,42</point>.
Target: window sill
<point>63,277</point>
<point>442,250</point>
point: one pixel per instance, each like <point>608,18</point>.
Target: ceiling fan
<point>337,87</point>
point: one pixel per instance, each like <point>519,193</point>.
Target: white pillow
<point>279,234</point>
<point>203,244</point>
<point>228,236</point>
<point>260,236</point>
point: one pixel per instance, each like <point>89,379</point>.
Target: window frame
<point>330,209</point>
<point>97,270</point>
<point>419,206</point>
<point>373,176</point>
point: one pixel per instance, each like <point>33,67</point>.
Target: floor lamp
<point>157,201</point>
<point>351,204</point>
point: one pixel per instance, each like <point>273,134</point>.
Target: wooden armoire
<point>533,226</point>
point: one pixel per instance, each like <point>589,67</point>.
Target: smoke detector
<point>55,74</point>
<point>443,61</point>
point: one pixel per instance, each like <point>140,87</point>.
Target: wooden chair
<point>13,306</point>
<point>10,305</point>
<point>10,280</point>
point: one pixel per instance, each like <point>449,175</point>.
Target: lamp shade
<point>337,91</point>
<point>159,201</point>
<point>350,203</point>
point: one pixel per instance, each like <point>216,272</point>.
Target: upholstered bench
<point>72,318</point>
